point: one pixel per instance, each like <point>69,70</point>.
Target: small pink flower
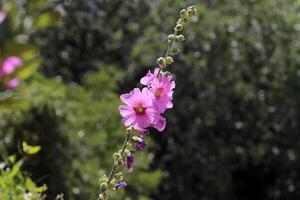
<point>162,92</point>
<point>9,65</point>
<point>2,16</point>
<point>12,84</point>
<point>149,77</point>
<point>138,111</point>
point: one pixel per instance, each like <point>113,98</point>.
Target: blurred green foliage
<point>15,185</point>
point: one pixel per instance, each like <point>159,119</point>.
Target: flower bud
<point>175,51</point>
<point>169,60</point>
<point>184,20</point>
<point>103,196</point>
<point>192,11</point>
<point>120,185</point>
<point>183,13</point>
<point>103,186</point>
<point>180,38</point>
<point>167,73</point>
<point>171,37</point>
<point>178,27</point>
<point>161,62</point>
<point>103,178</point>
<point>119,176</point>
<point>129,130</point>
<point>126,152</point>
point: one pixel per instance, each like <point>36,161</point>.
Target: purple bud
<point>120,184</point>
<point>140,144</point>
<point>129,162</point>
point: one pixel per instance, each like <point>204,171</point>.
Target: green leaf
<point>29,184</point>
<point>30,149</point>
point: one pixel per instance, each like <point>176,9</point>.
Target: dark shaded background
<point>234,131</point>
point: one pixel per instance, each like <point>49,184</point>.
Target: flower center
<point>158,92</point>
<point>140,109</point>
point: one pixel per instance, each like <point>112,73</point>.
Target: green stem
<point>113,171</point>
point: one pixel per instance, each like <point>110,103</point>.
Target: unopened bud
<point>184,20</point>
<point>180,38</point>
<point>161,62</point>
<point>183,13</point>
<point>178,27</point>
<point>129,130</point>
<point>167,73</point>
<point>103,196</point>
<point>119,176</point>
<point>126,152</point>
<point>192,11</point>
<point>169,60</point>
<point>103,186</point>
<point>104,178</point>
<point>171,37</point>
<point>175,51</point>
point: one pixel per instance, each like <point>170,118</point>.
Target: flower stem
<point>113,171</point>
<point>170,44</point>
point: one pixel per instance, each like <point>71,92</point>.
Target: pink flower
<point>149,77</point>
<point>13,83</point>
<point>162,92</point>
<point>2,16</point>
<point>138,111</point>
<point>9,65</point>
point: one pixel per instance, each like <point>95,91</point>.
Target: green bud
<point>167,73</point>
<point>119,176</point>
<point>104,178</point>
<point>161,62</point>
<point>178,27</point>
<point>126,153</point>
<point>129,130</point>
<point>171,37</point>
<point>191,8</point>
<point>184,20</point>
<point>192,11</point>
<point>103,196</point>
<point>169,60</point>
<point>183,13</point>
<point>175,51</point>
<point>135,138</point>
<point>120,162</point>
<point>180,38</point>
<point>103,186</point>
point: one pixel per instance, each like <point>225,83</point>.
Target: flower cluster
<point>7,68</point>
<point>143,107</point>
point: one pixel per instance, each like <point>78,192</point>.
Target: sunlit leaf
<point>30,149</point>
